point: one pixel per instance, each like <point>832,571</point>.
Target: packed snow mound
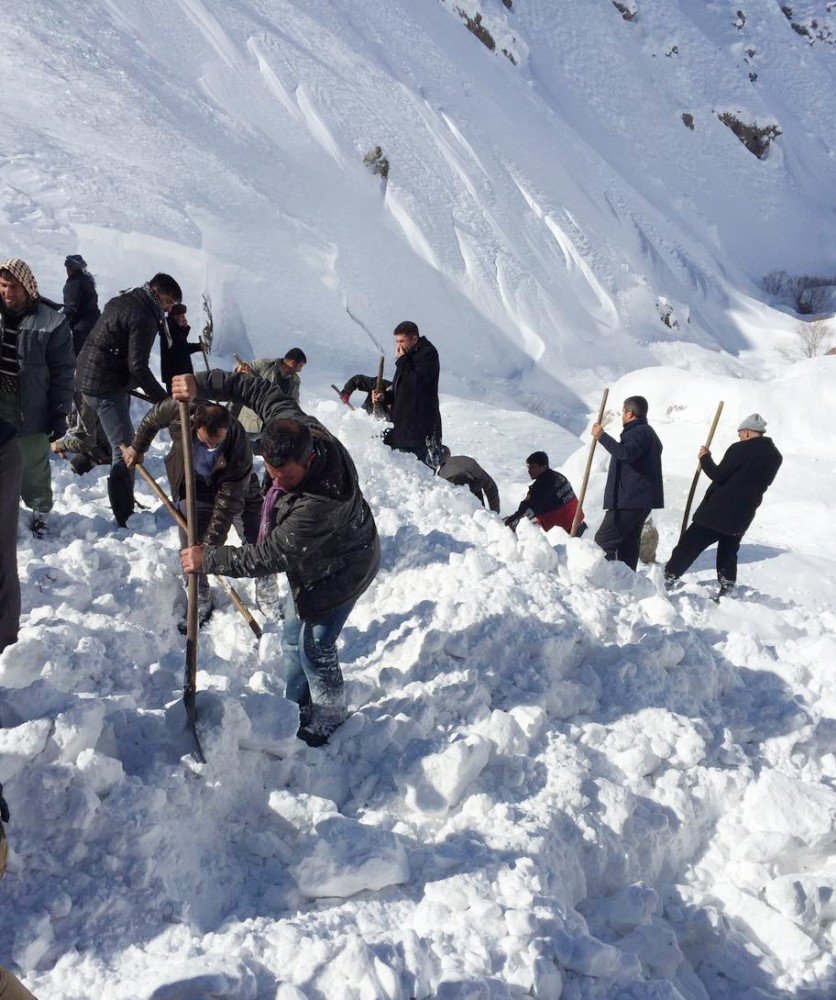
<point>542,215</point>
<point>557,778</point>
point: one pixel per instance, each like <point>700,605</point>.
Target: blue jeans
<point>310,651</point>
<point>114,413</point>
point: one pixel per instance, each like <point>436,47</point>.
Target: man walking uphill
<point>319,530</point>
<point>738,484</point>
<point>412,399</point>
<point>634,482</point>
<point>81,301</point>
<point>114,360</point>
<point>36,380</point>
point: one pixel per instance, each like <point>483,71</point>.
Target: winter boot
<point>205,607</point>
<point>323,721</point>
<point>120,491</point>
<point>267,598</point>
<point>726,588</point>
<point>38,523</point>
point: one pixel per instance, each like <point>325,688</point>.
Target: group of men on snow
<point>309,519</point>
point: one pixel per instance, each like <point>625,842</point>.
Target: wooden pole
<point>379,409</point>
<point>696,478</point>
<point>205,356</point>
<point>190,677</point>
<point>180,521</point>
<point>337,391</point>
<point>576,519</point>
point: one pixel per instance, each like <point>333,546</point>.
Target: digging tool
<point>337,391</point>
<point>233,594</point>
<point>696,478</point>
<point>190,677</point>
<point>576,519</point>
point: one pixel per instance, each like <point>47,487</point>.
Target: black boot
<point>120,491</point>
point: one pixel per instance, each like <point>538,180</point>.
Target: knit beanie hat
<point>754,422</point>
<point>20,269</point>
<point>75,260</point>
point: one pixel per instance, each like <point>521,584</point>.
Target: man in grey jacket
<point>319,531</point>
<point>36,379</point>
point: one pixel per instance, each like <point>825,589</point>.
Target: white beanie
<point>754,422</point>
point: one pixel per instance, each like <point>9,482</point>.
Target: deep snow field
<point>558,780</point>
<point>556,775</point>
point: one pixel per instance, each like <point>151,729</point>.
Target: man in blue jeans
<point>113,361</point>
<point>320,532</point>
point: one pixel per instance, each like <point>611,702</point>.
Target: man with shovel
<point>738,484</point>
<point>320,532</point>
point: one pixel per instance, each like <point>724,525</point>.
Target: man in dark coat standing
<point>81,301</point>
<point>550,499</point>
<point>113,361</point>
<point>412,399</point>
<point>634,482</point>
<point>318,530</point>
<point>176,349</point>
<point>738,484</point>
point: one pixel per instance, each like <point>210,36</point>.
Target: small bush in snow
<point>377,162</point>
<point>810,340</point>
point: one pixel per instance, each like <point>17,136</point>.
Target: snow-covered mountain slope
<point>558,780</point>
<point>539,217</point>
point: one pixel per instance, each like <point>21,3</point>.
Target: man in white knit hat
<point>738,484</point>
<point>36,379</point>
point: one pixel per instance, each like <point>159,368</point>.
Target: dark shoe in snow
<point>38,523</point>
<point>321,724</point>
<point>205,607</point>
<point>726,588</point>
<point>267,598</point>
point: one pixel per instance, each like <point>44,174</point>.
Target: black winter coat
<point>461,470</point>
<point>634,480</point>
<point>550,491</point>
<point>414,398</point>
<point>365,383</point>
<point>324,536</point>
<point>738,485</point>
<point>177,359</point>
<point>81,306</point>
<point>228,484</point>
<point>115,355</point>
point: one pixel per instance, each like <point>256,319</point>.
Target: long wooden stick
<point>190,677</point>
<point>337,391</point>
<point>180,521</point>
<point>378,407</point>
<point>696,478</point>
<point>205,356</point>
<point>576,519</point>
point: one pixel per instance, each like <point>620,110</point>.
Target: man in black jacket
<point>461,470</point>
<point>114,360</point>
<point>176,349</point>
<point>320,532</point>
<point>81,301</point>
<point>224,478</point>
<point>634,482</point>
<point>738,484</point>
<point>412,399</point>
<point>550,499</point>
<point>367,384</point>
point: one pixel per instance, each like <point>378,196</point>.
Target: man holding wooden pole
<point>738,484</point>
<point>634,482</point>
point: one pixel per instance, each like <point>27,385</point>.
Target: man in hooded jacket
<point>319,531</point>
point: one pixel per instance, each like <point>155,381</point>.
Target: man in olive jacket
<point>634,482</point>
<point>738,484</point>
<point>225,484</point>
<point>320,532</point>
<point>36,379</point>
<point>113,361</point>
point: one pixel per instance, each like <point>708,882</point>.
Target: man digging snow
<point>321,533</point>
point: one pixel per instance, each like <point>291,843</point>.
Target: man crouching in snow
<point>321,533</point>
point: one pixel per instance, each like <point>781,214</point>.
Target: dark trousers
<point>620,534</point>
<point>10,476</point>
<point>113,410</point>
<point>695,541</point>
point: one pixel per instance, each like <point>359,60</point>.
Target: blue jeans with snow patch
<point>114,412</point>
<point>310,651</point>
